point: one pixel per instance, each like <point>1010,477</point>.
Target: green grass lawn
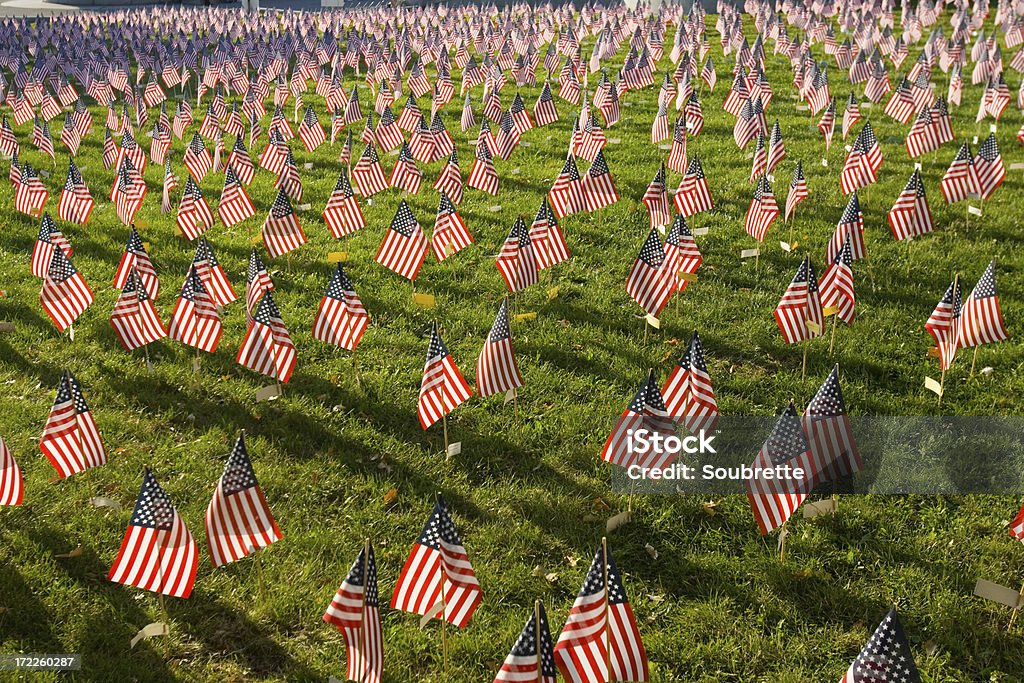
<point>529,493</point>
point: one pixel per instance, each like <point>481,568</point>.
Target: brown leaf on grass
<point>390,496</point>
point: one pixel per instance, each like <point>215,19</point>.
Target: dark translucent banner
<point>878,455</point>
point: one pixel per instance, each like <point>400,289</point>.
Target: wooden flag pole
<point>832,341</point>
<point>607,609</point>
<point>444,419</point>
<point>783,535</point>
<point>942,384</point>
<point>537,639</point>
<point>803,369</point>
<point>261,584</point>
<point>362,613</point>
<point>1016,611</point>
<point>974,359</point>
<point>444,621</point>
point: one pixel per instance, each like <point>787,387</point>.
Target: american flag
<point>981,320</point>
<point>257,281</point>
<point>281,230</point>
<point>8,141</point>
<point>110,151</point>
<point>158,553</point>
<point>989,165</point>
<point>442,389</point>
<point>69,135</point>
<point>836,286</point>
<point>944,324</point>
<point>829,433</point>
<point>762,212</point>
<point>549,245</point>
<point>544,111</point>
<point>677,153</point>
<point>197,158</point>
<point>774,500</point>
<point>961,179</point>
<point>235,205</point>
<point>405,246</point>
<point>273,157</point>
<point>1016,526</point>
<point>910,216</point>
<point>406,175</point>
<point>799,313</point>
<point>238,519</point>
<point>863,161</point>
<point>342,213</point>
<point>438,571</point>
<point>450,233</point>
<point>827,124</point>
<point>64,295</point>
<point>194,214</point>
<point>496,369</point>
<point>797,190</point>
<point>482,176</point>
<point>421,143</point>
<point>195,321</point>
<point>598,188</point>
<point>901,104</point>
<point>212,274</point>
<point>353,113</point>
<point>12,486</point>
<point>367,173</point>
<point>71,440</point>
<point>886,657</point>
<point>849,228</point>
<point>450,180</point>
<point>647,411</point>
<point>341,319</point>
<point>30,195</point>
<point>50,238</point>
<point>532,657</point>
<point>388,133</point>
<point>760,159</point>
<point>135,257</point>
<point>649,283</point>
<point>517,261</point>
<point>682,256</point>
<point>693,195</point>
<point>922,137</point>
<point>134,318</point>
<point>656,200</point>
<point>776,149</point>
<point>694,116</point>
<point>310,131</point>
<point>689,396</point>
<point>851,115</point>
<point>267,347</point>
<point>600,640</point>
<point>129,191</point>
<point>355,610</point>
<point>240,161</point>
<point>566,194</point>
<point>170,183</point>
<point>288,176</point>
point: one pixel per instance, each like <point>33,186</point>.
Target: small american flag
<point>450,180</point>
<point>689,396</point>
<point>532,657</point>
<point>850,228</point>
<point>774,500</point>
<point>134,318</point>
<point>450,234</point>
<point>566,194</point>
<point>829,433</point>
<point>910,216</point>
<point>355,610</point>
<point>64,295</point>
<point>981,320</point>
<point>49,238</point>
<point>944,324</point>
<point>549,245</point>
<point>836,286</point>
<point>517,261</point>
<point>194,214</point>
<point>76,203</point>
<point>71,440</point>
<point>342,213</point>
<point>197,158</point>
<point>544,111</point>
<point>405,246</point>
<point>195,321</point>
<point>799,313</point>
<point>600,640</point>
<point>482,176</point>
<point>281,230</point>
<point>136,257</point>
<point>238,519</point>
<point>762,212</point>
<point>267,347</point>
<point>496,369</point>
<point>367,173</point>
<point>442,389</point>
<point>437,574</point>
<point>12,485</point>
<point>886,657</point>
<point>212,274</point>
<point>158,553</point>
<point>235,205</point>
<point>341,319</point>
<point>647,410</point>
<point>649,284</point>
<point>682,256</point>
<point>989,165</point>
<point>961,178</point>
<point>693,196</point>
<point>405,175</point>
<point>656,200</point>
<point>797,190</point>
<point>310,131</point>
